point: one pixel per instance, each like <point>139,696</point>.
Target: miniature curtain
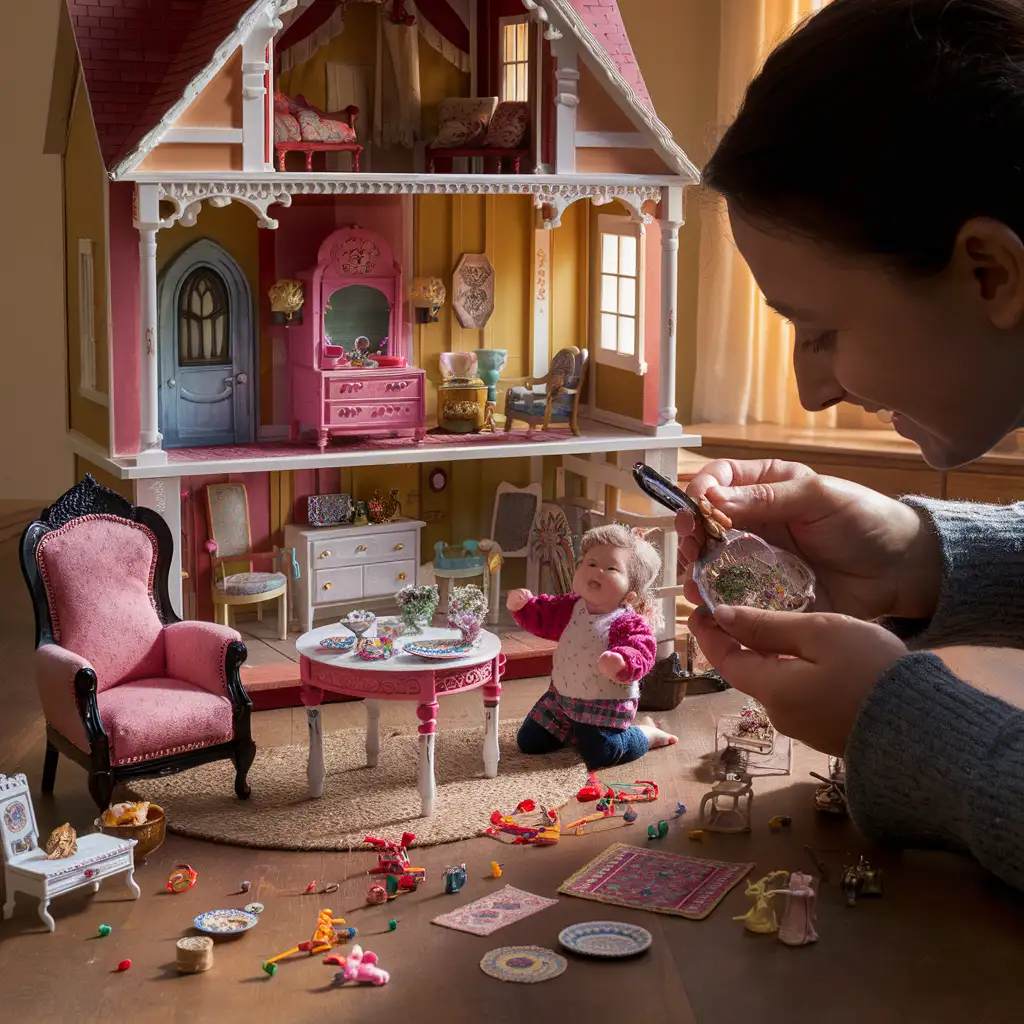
<point>744,350</point>
<point>397,107</point>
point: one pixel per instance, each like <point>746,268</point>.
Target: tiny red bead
<point>124,965</point>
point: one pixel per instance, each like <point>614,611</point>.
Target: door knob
<point>324,554</point>
<point>229,381</point>
<point>242,378</point>
<point>362,547</point>
<point>171,382</point>
<point>401,575</point>
<point>398,547</point>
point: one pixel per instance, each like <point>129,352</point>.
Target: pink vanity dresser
<point>353,315</point>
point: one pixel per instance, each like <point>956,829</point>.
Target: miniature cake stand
<point>402,677</point>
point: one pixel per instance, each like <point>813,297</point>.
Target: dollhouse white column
<point>256,106</point>
<point>567,78</point>
<point>163,496</point>
<point>671,221</point>
<point>149,426</point>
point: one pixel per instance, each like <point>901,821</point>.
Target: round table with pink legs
<point>402,677</point>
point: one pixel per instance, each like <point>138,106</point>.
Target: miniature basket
<point>149,835</point>
<point>375,648</point>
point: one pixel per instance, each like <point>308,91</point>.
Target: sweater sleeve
<point>631,636</point>
<point>546,615</point>
<point>980,601</point>
<point>934,762</point>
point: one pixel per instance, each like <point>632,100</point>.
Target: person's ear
<point>631,597</point>
<point>990,255</point>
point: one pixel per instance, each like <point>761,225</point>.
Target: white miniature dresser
<point>344,565</point>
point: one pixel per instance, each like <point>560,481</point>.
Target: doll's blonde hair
<point>643,565</point>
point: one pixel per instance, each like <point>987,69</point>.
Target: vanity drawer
<point>358,549</point>
<point>332,586</point>
<point>373,387</point>
<point>386,415</point>
<point>386,578</point>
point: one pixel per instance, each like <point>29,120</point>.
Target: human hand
<point>518,599</point>
<point>811,671</point>
<point>872,555</point>
<point>611,665</point>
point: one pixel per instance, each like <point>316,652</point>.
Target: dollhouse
<point>285,218</point>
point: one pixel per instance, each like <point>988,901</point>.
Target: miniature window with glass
<point>515,60</point>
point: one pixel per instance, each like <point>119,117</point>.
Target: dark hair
<point>882,126</point>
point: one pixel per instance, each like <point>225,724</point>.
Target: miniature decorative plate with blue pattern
<point>338,643</point>
<point>523,964</point>
<point>608,939</point>
<point>439,650</point>
<point>226,922</point>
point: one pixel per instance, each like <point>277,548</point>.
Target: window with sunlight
<point>619,293</point>
<point>515,60</point>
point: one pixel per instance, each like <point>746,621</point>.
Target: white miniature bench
<point>26,868</point>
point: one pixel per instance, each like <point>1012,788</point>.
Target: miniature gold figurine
<point>861,879</point>
<point>63,842</point>
<point>760,918</point>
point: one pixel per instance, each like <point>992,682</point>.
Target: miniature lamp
<point>427,296</point>
<point>286,299</point>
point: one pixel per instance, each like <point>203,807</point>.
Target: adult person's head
<point>875,185</point>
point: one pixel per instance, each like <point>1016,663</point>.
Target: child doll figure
<point>605,647</point>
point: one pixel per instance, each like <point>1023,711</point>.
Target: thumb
<point>791,633</point>
<point>778,502</point>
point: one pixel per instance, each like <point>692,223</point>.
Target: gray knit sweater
<point>931,760</point>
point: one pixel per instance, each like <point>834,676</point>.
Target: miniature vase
<point>490,362</point>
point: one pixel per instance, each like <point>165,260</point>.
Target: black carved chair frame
<point>90,498</point>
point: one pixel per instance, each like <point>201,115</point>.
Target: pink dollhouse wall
<point>125,318</point>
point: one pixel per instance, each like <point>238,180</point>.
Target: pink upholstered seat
<point>126,688</point>
<point>152,718</point>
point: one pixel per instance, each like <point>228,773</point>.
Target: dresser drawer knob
<point>401,575</point>
<point>398,547</point>
<point>362,547</point>
<point>324,554</point>
<point>327,586</point>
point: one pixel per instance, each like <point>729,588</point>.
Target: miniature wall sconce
<point>427,296</point>
<point>286,299</point>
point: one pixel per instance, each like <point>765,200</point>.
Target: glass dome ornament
<point>736,567</point>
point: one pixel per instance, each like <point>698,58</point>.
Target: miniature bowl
<point>150,835</point>
<point>392,627</point>
<point>359,622</point>
<point>375,648</point>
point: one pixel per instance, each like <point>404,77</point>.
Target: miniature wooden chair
<point>718,816</point>
<point>559,402</point>
<point>27,868</point>
<point>227,507</point>
<point>128,690</point>
<point>468,561</point>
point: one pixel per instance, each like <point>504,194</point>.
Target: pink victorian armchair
<point>128,690</point>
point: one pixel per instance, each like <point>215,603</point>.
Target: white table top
<point>308,646</point>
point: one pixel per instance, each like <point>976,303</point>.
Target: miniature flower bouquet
<point>469,599</point>
<point>468,625</point>
<point>418,605</point>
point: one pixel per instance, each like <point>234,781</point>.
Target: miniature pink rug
<point>649,879</point>
<point>487,915</point>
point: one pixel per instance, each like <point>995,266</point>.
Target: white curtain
<point>744,350</point>
<point>396,108</point>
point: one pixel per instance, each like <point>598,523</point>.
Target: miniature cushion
<point>314,128</point>
<point>532,404</point>
<point>286,128</point>
<point>507,129</point>
<point>98,572</point>
<point>246,584</point>
<point>285,104</point>
<point>157,717</point>
<point>460,133</point>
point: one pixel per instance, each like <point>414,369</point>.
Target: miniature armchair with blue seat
<point>559,402</point>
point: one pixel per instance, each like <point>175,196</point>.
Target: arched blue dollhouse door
<point>207,342</point>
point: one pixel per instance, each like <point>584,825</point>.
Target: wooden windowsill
<point>873,444</point>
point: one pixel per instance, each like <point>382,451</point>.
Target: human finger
<point>781,501</point>
<point>744,472</point>
<point>796,634</point>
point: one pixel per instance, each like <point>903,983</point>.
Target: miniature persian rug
<point>649,879</point>
<point>525,965</point>
<point>487,915</point>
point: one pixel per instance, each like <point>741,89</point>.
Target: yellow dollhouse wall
<point>85,205</point>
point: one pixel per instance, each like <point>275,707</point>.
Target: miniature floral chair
<point>234,581</point>
<point>128,690</point>
<point>559,402</point>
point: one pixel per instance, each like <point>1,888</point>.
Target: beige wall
<point>34,452</point>
<point>676,46</point>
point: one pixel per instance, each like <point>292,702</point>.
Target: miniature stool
<point>717,817</point>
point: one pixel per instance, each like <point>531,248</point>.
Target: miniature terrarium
<point>743,569</point>
<point>417,605</point>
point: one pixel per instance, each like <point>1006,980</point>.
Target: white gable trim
<point>560,14</point>
<point>266,11</point>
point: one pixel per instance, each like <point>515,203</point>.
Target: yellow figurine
<point>495,869</point>
<point>325,937</point>
<point>760,918</point>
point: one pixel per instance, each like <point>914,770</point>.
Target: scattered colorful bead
<point>124,965</point>
<point>104,930</point>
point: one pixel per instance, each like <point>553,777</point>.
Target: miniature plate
<point>607,939</point>
<point>226,922</point>
<point>439,650</point>
<point>338,643</point>
<point>523,964</point>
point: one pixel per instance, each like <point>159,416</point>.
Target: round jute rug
<point>360,801</point>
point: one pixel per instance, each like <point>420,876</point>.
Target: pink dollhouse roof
<point>604,20</point>
<point>138,57</point>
